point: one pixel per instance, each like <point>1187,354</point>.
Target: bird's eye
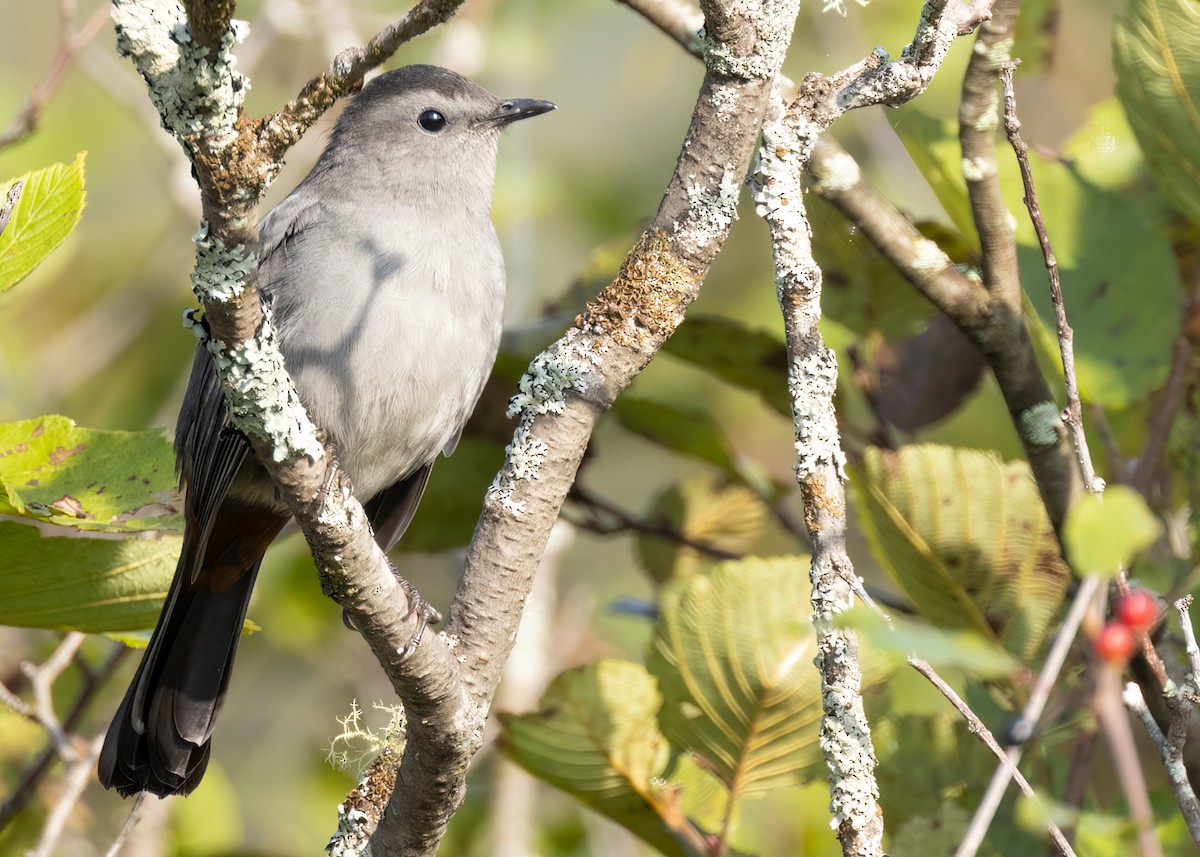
<point>432,121</point>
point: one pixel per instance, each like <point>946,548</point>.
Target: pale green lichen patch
<point>1040,425</point>
<point>772,23</point>
<point>977,169</point>
<point>262,400</point>
<point>221,272</point>
<point>197,94</point>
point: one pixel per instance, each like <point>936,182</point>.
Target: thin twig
<point>71,43</point>
<point>135,815</point>
<point>1170,747</point>
<point>78,775</point>
<point>1073,413</point>
<point>622,521</point>
<point>1089,589</point>
<point>1182,607</point>
<point>10,202</point>
<point>985,735</point>
<point>1113,720</point>
<point>26,788</point>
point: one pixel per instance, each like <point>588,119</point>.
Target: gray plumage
<point>386,283</point>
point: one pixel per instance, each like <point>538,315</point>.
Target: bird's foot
<point>425,612</point>
<point>332,474</point>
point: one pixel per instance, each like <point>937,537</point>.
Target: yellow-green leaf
<point>966,537</point>
<point>595,736</point>
<point>733,653</point>
<point>1104,533</point>
<point>54,471</point>
<point>82,582</point>
<point>49,206</point>
<point>1156,57</point>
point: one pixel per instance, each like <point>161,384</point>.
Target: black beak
<point>519,108</point>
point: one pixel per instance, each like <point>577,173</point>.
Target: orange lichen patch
<point>645,303</point>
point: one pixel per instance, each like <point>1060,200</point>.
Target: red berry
<point>1138,609</point>
<point>1115,643</point>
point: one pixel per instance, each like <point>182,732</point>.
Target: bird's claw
<point>426,613</point>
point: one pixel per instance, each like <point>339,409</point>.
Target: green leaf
<point>452,501</point>
<point>934,148</point>
<point>81,582</point>
<point>966,537</point>
<point>1105,533</point>
<point>737,354</point>
<point>115,481</point>
<point>693,433</point>
<point>595,736</point>
<point>1115,260</point>
<point>704,510</point>
<point>733,654</point>
<point>1156,57</point>
<point>1036,34</point>
<point>49,207</point>
<point>961,649</point>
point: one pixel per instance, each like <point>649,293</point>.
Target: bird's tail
<point>159,739</point>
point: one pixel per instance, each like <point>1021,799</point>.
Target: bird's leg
<point>426,612</point>
<point>333,470</point>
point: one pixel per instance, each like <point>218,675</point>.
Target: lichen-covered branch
<point>789,137</point>
<point>573,382</point>
<point>185,57</point>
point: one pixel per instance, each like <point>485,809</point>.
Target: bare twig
<point>71,42</point>
<point>79,773</point>
<point>789,136</point>
<point>135,815</point>
<point>1090,589</point>
<point>980,729</point>
<point>1182,608</point>
<point>24,790</point>
<point>606,518</point>
<point>1170,747</point>
<point>1113,720</point>
<point>1073,413</point>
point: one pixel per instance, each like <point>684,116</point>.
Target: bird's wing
<point>284,224</point>
<point>209,451</point>
<point>392,509</point>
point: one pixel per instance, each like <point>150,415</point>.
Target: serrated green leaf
<point>1156,57</point>
<point>1115,260</point>
<point>693,433</point>
<point>743,356</point>
<point>51,202</point>
<point>1105,533</point>
<point>595,737</point>
<point>733,653</point>
<point>81,582</point>
<point>966,537</point>
<point>54,471</point>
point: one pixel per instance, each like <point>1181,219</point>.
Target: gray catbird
<point>386,281</point>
